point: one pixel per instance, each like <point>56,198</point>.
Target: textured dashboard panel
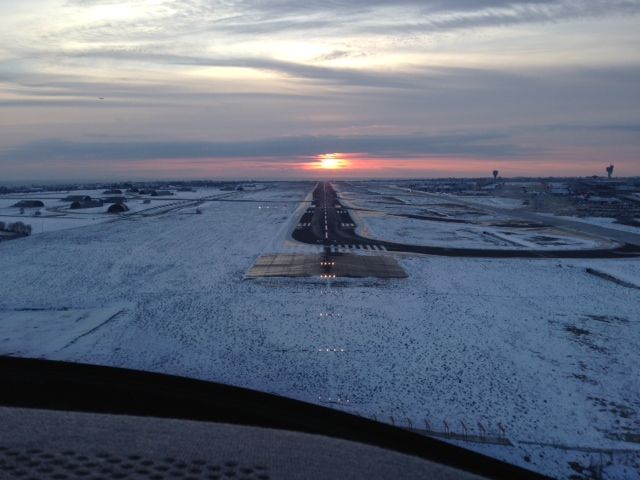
<point>49,444</point>
<point>35,463</point>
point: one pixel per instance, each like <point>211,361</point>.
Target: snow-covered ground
<point>56,214</point>
<point>430,220</point>
<point>414,205</point>
<point>500,202</point>
<point>444,234</point>
<point>540,346</point>
<point>600,221</point>
<point>50,331</point>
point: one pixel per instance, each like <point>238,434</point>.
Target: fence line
<point>448,429</point>
<point>482,433</point>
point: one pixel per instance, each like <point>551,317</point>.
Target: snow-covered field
<point>425,232</point>
<point>540,346</point>
<point>51,330</point>
<point>389,214</point>
<point>501,202</point>
<point>602,222</point>
<point>56,214</point>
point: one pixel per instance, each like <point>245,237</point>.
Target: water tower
<point>609,171</point>
<point>495,174</point>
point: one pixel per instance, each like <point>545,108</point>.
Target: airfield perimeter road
<point>327,222</point>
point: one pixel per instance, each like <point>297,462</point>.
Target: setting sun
<point>331,161</point>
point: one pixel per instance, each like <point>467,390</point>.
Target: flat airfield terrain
<point>535,350</point>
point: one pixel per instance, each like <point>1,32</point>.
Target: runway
<point>327,222</point>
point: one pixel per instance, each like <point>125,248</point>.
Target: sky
<point>286,89</point>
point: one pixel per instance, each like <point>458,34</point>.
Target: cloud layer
<point>114,81</point>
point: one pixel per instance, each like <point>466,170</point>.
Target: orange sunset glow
<point>330,161</point>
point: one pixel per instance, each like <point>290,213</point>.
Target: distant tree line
<point>16,227</point>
